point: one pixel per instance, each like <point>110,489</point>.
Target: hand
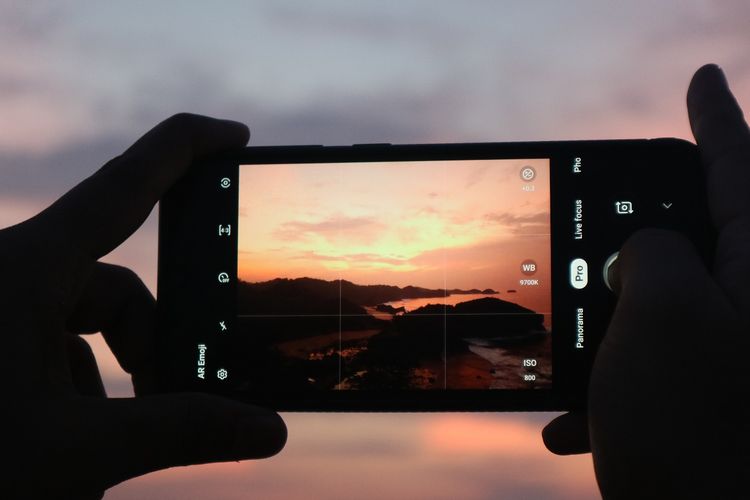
<point>63,437</point>
<point>667,416</point>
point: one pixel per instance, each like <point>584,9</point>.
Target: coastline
<point>305,347</point>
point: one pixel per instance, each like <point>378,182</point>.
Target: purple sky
<point>81,80</point>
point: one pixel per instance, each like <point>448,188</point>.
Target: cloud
<point>428,209</point>
<point>32,22</point>
<point>328,116</point>
<point>536,223</point>
<point>352,258</point>
<point>366,24</point>
<point>476,175</point>
<point>49,174</point>
<point>14,85</point>
<point>43,155</point>
<point>335,228</point>
<point>703,20</point>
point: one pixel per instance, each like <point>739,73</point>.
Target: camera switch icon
<point>624,207</point>
<point>225,182</point>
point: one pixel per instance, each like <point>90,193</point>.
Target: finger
<point>103,210</point>
<point>670,313</point>
<point>567,434</point>
<point>83,368</point>
<point>724,142</point>
<point>130,437</point>
<point>115,301</point>
<point>716,118</point>
<point>661,277</point>
<point>651,380</point>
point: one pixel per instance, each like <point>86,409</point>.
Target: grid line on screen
<point>456,216</point>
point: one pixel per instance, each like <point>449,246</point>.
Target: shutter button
<point>610,272</point>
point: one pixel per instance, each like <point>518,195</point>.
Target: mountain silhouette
<point>316,296</point>
<point>485,318</point>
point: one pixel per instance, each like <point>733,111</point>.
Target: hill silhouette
<point>316,296</point>
<point>481,318</point>
<point>435,331</point>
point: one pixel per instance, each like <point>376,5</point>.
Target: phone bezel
<point>570,366</point>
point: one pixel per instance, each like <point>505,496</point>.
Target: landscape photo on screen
<point>394,276</point>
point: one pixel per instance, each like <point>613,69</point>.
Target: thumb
<point>567,434</point>
<point>135,436</point>
<point>662,282</point>
<point>653,379</point>
<point>668,302</point>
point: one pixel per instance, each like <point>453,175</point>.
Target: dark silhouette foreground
<point>666,414</point>
<point>64,437</point>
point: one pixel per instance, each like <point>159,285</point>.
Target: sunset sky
<point>452,224</point>
<point>81,80</point>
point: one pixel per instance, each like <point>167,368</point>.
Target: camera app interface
<point>394,276</point>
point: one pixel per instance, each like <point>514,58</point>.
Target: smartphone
<point>434,277</point>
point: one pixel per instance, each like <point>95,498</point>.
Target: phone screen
<point>406,275</point>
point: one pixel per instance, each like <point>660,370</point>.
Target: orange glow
<point>454,224</point>
<point>373,456</point>
<point>475,435</point>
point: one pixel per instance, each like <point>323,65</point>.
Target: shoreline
<point>303,348</point>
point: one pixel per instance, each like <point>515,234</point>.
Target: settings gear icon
<point>222,374</point>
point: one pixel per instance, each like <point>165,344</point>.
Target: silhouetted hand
<point>62,437</point>
<point>667,411</point>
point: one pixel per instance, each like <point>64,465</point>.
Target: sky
<point>451,224</point>
<point>80,81</point>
